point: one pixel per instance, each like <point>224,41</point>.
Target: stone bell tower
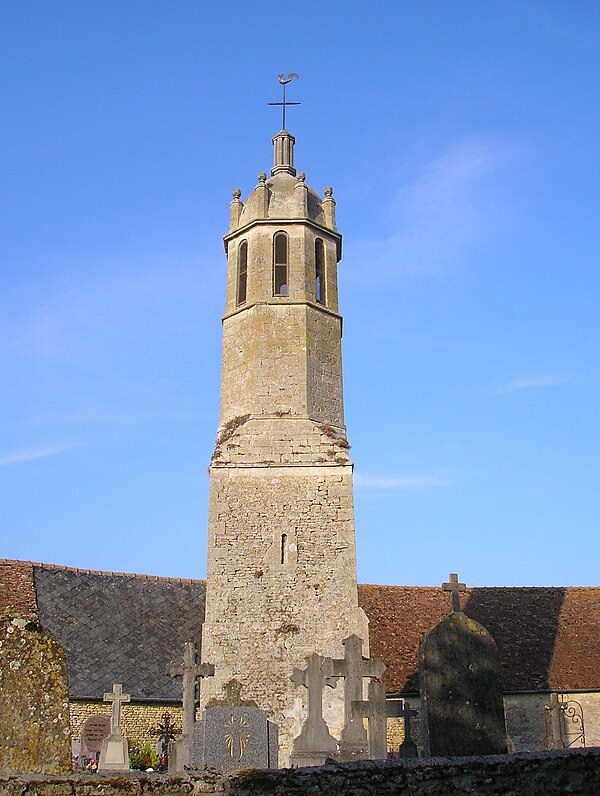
<point>281,568</point>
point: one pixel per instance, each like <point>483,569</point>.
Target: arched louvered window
<point>242,273</point>
<point>319,271</point>
<point>280,264</point>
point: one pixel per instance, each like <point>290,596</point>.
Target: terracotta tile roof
<point>548,638</point>
<point>17,592</point>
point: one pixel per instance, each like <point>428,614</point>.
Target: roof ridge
<point>84,571</point>
<point>143,576</point>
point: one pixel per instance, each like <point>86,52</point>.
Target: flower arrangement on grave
<point>143,758</point>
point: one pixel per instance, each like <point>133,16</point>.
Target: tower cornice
<point>278,222</point>
<point>287,301</point>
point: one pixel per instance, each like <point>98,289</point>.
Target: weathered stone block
<point>34,699</point>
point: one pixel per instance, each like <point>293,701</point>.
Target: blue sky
<point>461,140</point>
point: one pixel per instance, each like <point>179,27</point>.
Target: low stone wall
<point>574,772</point>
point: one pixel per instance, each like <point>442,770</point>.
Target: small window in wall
<point>284,550</point>
<point>280,264</point>
<point>242,273</point>
<point>319,271</point>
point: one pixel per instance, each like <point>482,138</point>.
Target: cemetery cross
<point>116,696</point>
<point>374,710</point>
<point>318,674</point>
<point>189,671</point>
<point>454,587</point>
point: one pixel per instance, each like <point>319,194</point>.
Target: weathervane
<point>284,81</point>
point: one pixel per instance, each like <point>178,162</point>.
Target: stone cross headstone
<point>234,733</point>
<point>353,668</point>
<point>114,753</point>
<point>408,747</point>
<point>190,672</point>
<point>315,743</point>
<point>374,710</point>
<point>461,687</point>
<point>34,698</point>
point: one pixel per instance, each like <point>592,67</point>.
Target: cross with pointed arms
<point>284,81</point>
<point>454,587</point>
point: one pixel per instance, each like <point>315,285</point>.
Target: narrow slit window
<point>284,548</point>
<point>280,265</point>
<point>242,273</point>
<point>319,271</point>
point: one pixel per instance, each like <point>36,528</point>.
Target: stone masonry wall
<point>282,358</point>
<point>137,719</point>
<point>264,616</point>
<point>543,774</point>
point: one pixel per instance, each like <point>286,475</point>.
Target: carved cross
<point>374,710</point>
<point>190,672</point>
<point>318,674</point>
<point>116,696</point>
<point>353,668</point>
<point>454,587</point>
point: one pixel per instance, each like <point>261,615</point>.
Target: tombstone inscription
<point>94,730</point>
<point>461,687</point>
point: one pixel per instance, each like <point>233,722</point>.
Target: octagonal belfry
<point>281,565</point>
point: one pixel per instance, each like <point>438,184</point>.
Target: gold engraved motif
<point>230,736</point>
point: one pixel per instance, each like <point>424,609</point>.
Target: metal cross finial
<point>284,81</point>
<point>454,587</point>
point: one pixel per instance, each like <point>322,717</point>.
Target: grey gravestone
<point>34,695</point>
<point>234,733</point>
<point>461,686</point>
<point>114,753</point>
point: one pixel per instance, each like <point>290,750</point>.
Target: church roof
<point>113,627</point>
<point>117,627</point>
<point>282,201</point>
<point>548,638</point>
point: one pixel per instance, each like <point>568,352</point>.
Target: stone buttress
<point>281,567</point>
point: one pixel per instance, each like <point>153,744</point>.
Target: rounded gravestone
<point>94,731</point>
<point>461,690</point>
<point>34,699</point>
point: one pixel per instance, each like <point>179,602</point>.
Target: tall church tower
<point>281,568</point>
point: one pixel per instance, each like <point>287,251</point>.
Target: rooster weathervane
<point>283,82</point>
